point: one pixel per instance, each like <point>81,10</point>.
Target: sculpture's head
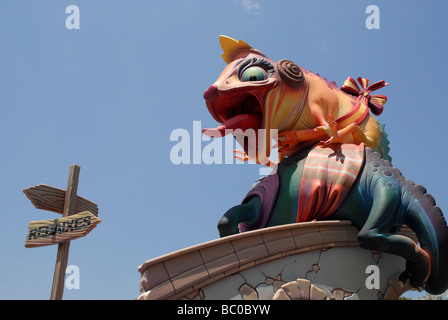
<point>255,92</point>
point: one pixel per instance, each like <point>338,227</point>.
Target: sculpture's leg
<point>342,133</point>
<point>358,136</point>
<point>375,234</point>
<point>248,213</point>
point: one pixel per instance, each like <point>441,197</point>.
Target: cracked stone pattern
<point>318,275</point>
<point>322,258</point>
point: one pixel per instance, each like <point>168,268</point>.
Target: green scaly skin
<point>379,203</point>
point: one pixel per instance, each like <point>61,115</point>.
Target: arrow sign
<point>49,232</point>
<point>52,199</point>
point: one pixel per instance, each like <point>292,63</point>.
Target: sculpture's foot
<point>418,268</point>
<point>225,228</point>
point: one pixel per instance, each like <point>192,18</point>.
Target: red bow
<point>375,102</point>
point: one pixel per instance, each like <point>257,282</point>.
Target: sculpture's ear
<point>290,73</point>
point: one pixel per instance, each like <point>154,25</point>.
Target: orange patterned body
<point>327,114</point>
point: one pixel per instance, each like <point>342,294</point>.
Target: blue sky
<point>108,96</point>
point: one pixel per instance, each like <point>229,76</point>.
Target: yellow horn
<point>231,46</point>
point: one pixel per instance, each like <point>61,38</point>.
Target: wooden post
<point>62,258</point>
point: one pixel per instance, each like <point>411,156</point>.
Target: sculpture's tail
<point>427,221</point>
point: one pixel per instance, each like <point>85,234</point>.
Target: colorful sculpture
<point>255,92</point>
<point>334,161</point>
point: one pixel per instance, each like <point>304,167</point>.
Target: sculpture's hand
<point>286,140</point>
<point>240,155</point>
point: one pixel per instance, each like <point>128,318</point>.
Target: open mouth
<point>235,111</point>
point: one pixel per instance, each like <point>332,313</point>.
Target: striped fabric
<point>328,175</point>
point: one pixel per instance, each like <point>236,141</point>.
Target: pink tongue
<point>241,121</point>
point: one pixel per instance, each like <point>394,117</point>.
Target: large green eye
<point>254,74</point>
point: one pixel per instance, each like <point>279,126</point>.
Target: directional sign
<point>48,232</point>
<point>79,217</point>
<point>52,199</point>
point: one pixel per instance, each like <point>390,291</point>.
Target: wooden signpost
<point>79,217</point>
